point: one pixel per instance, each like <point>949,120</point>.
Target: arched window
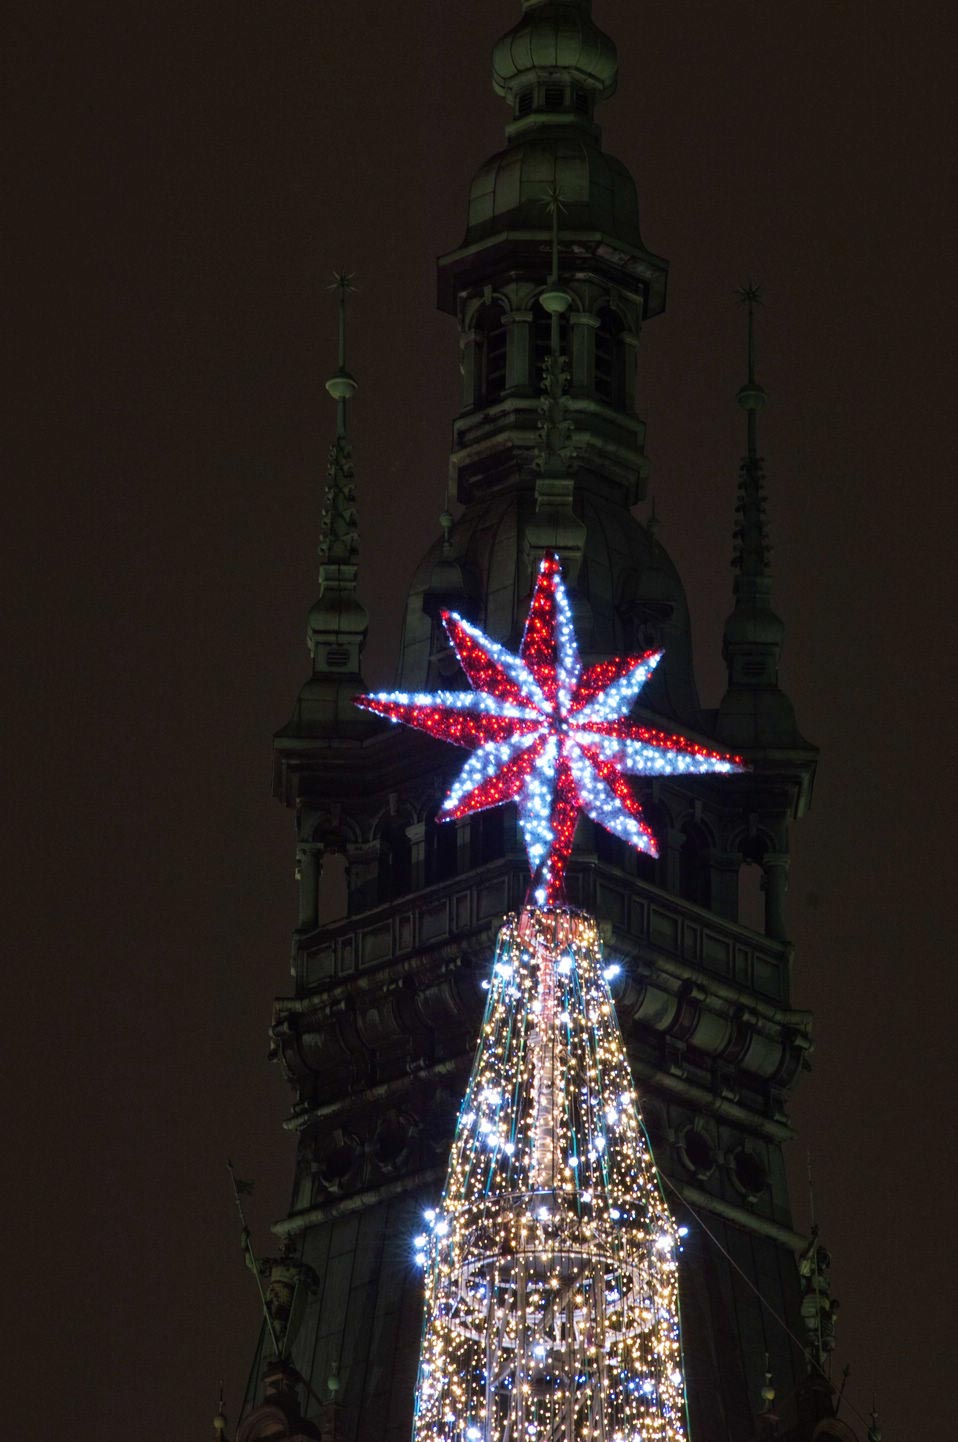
<point>653,868</point>
<point>542,336</point>
<point>395,861</point>
<point>487,839</point>
<point>611,850</point>
<point>751,884</point>
<point>609,358</point>
<point>694,879</point>
<point>333,888</point>
<point>441,848</point>
<point>491,341</point>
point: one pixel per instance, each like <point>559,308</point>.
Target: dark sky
<point>185,177</point>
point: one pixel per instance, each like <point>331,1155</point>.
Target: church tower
<point>398,914</point>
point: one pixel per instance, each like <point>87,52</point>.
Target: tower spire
<point>338,622</point>
<point>342,386</point>
<point>752,550</point>
<point>754,711</point>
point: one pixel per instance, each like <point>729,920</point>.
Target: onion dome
<point>555,36</point>
<point>598,193</point>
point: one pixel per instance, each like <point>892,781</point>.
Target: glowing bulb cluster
<point>548,733</point>
<point>551,1310</point>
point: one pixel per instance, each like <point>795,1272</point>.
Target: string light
<point>549,734</point>
<point>551,1273</point>
<point>551,1310</point>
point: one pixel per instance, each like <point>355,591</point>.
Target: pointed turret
<point>754,711</point>
<point>338,621</point>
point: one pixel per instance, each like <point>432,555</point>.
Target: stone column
<point>630,357</point>
<point>670,844</point>
<point>363,860</point>
<point>309,866</point>
<point>468,353</point>
<point>775,869</point>
<point>463,845</point>
<point>584,327</point>
<point>724,866</point>
<point>518,325</point>
<point>417,854</point>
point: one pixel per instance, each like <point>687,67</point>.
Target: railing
<point>640,913</point>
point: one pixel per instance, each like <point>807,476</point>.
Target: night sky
<point>185,178</point>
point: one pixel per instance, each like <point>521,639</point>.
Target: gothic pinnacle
<point>751,556</point>
<point>754,711</point>
<point>751,397</point>
<point>337,626</point>
<point>339,536</point>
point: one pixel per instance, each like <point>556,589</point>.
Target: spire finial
<point>768,1420</point>
<point>219,1421</point>
<point>342,386</point>
<point>654,521</point>
<point>751,397</point>
<point>874,1431</point>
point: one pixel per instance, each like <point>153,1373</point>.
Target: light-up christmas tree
<point>551,1309</point>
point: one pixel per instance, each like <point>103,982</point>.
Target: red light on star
<point>549,734</point>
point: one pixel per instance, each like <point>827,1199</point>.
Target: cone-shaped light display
<point>551,1308</point>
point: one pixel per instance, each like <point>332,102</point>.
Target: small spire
<point>874,1431</point>
<point>751,397</point>
<point>754,711</point>
<point>752,550</point>
<point>339,536</point>
<point>338,622</point>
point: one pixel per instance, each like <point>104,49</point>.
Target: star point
<point>548,734</point>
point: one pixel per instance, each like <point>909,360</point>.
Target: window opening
<point>609,358</point>
<point>694,879</point>
<point>492,338</point>
<point>333,890</point>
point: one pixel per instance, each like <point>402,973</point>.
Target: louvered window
<point>609,359</point>
<point>492,337</point>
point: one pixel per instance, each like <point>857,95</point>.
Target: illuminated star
<point>548,734</point>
